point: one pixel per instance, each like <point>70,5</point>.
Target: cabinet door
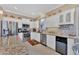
<point>35,36</point>
<point>69,16</point>
<point>52,21</point>
<point>51,41</point>
<point>61,18</point>
<point>69,46</point>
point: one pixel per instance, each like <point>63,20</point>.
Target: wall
<point>25,21</point>
<point>34,24</point>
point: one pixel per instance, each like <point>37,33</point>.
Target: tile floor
<point>40,50</point>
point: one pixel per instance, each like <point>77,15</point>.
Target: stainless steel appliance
<point>26,32</point>
<point>43,39</point>
<point>61,45</point>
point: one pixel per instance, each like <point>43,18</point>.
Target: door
<point>5,33</point>
<point>4,28</point>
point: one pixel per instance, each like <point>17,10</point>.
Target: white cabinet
<point>35,36</point>
<point>67,17</point>
<point>61,19</point>
<point>51,41</point>
<point>69,46</point>
<point>52,21</point>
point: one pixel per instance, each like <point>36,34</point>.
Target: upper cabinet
<point>52,21</point>
<point>61,18</point>
<point>67,17</point>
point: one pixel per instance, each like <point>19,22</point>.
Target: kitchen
<point>60,31</point>
<point>57,29</point>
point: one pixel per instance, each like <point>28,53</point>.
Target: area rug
<point>33,42</point>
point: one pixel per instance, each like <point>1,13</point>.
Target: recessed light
<point>15,8</point>
<point>33,13</point>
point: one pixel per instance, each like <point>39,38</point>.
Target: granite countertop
<point>71,37</point>
<point>52,34</point>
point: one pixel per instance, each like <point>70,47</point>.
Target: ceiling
<point>32,10</point>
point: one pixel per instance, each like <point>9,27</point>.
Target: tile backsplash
<point>76,40</point>
<point>73,28</point>
<point>68,29</point>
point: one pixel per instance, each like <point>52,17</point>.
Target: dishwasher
<point>43,39</point>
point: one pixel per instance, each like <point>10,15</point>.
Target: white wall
<point>25,21</point>
<point>37,23</point>
<point>19,24</point>
<point>34,24</point>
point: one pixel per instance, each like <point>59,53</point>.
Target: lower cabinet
<point>51,41</point>
<point>43,39</point>
<point>69,46</point>
<point>35,36</point>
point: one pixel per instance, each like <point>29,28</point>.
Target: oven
<point>61,45</point>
